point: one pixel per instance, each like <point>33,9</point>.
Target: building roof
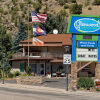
<point>63,39</point>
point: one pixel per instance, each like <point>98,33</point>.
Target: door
<point>42,69</point>
<point>33,68</point>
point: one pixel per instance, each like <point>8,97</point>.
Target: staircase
<point>83,66</point>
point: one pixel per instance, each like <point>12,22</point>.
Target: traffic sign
<point>67,59</point>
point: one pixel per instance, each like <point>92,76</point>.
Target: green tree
<point>19,36</point>
<point>5,47</point>
<point>5,43</point>
<point>76,9</point>
<point>59,22</point>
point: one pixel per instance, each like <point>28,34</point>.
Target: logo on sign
<point>87,25</point>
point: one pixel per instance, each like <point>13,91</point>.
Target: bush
<point>66,6</point>
<point>10,75</point>
<point>66,1</point>
<point>28,1</point>
<point>22,5</point>
<point>37,6</point>
<point>61,2</point>
<point>1,10</point>
<point>76,9</point>
<point>28,70</point>
<point>96,2</point>
<point>85,82</point>
<point>73,1</point>
<point>87,2</point>
<point>6,12</point>
<point>16,73</point>
<point>89,8</point>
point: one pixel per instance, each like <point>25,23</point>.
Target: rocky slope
<point>11,11</point>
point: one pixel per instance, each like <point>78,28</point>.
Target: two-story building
<point>47,57</point>
<point>43,59</point>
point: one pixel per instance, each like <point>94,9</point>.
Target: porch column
<point>23,51</point>
<point>97,70</point>
<point>73,75</point>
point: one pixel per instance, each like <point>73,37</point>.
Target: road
<point>20,94</point>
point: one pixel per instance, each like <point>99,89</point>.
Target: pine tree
<point>19,36</point>
<point>5,42</point>
<point>59,22</point>
<point>5,47</point>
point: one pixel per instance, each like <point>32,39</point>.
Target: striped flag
<point>39,18</point>
<point>37,42</point>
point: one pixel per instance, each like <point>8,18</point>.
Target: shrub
<point>28,70</point>
<point>61,2</point>
<point>66,1</point>
<point>66,6</point>
<point>37,6</point>
<point>10,75</point>
<point>1,10</point>
<point>6,12</point>
<point>96,2</point>
<point>28,1</point>
<point>76,9</point>
<point>16,73</point>
<point>73,1</point>
<point>22,5</point>
<point>89,8</point>
<point>87,2</point>
<point>14,1</point>
<point>85,82</point>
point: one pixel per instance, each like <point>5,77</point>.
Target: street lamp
<point>68,61</point>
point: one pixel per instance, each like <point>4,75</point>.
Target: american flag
<point>39,18</point>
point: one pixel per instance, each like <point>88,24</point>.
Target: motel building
<point>46,52</point>
<point>46,57</point>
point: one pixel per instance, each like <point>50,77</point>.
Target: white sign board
<point>86,54</point>
<point>67,59</point>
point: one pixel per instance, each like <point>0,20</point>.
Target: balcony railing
<point>39,54</point>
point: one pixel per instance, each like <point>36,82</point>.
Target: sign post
<point>67,61</point>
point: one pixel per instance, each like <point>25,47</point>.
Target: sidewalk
<point>47,90</point>
<point>32,88</point>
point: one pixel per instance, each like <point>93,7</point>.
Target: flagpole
<point>28,35</point>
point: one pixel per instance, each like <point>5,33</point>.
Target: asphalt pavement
<point>12,93</point>
<point>55,82</point>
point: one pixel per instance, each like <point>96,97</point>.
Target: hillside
<point>11,11</point>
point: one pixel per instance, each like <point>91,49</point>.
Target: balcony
<point>39,55</point>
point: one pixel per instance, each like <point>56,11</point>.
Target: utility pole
<point>3,67</point>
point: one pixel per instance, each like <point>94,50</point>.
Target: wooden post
<point>23,51</point>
